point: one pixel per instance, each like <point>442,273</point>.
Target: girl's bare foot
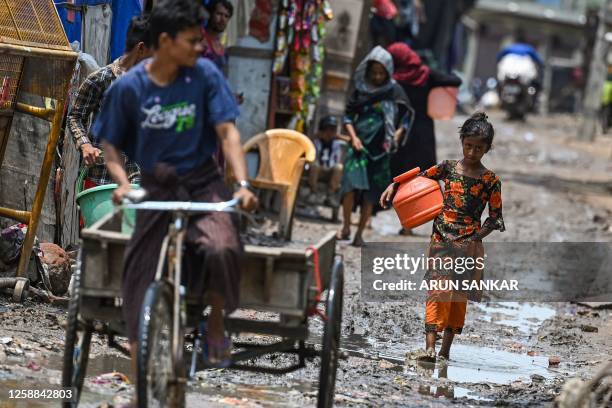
<point>358,241</point>
<point>428,356</point>
<point>344,234</point>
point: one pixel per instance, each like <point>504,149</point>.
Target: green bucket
<point>97,202</point>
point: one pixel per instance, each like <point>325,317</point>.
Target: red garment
<point>385,9</point>
<point>87,184</point>
<point>409,69</point>
<point>259,25</point>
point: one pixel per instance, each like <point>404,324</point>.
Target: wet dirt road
<point>554,189</point>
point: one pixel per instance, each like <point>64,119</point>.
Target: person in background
<point>328,165</point>
<point>375,120</point>
<point>89,100</point>
<point>606,103</point>
<point>221,11</point>
<point>411,15</point>
<point>382,26</point>
<point>419,147</point>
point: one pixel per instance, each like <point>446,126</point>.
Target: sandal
<point>216,353</point>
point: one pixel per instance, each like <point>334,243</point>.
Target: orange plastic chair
<point>282,156</point>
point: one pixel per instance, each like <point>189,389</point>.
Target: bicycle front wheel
<point>161,379</point>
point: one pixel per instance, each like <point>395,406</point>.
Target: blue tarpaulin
<point>123,11</point>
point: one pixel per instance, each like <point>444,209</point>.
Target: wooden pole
<point>597,76</point>
<point>43,181</point>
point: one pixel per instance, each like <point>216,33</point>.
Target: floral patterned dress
<point>465,199</point>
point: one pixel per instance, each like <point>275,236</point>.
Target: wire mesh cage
<point>10,74</point>
<point>35,56</point>
<point>31,22</point>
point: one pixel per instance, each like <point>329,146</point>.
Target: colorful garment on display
<point>301,30</point>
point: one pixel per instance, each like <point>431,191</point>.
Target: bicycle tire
<point>160,379</point>
<point>76,343</point>
<point>331,337</point>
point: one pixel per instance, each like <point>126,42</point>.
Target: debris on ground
<point>49,269</point>
<point>594,393</point>
<point>57,264</point>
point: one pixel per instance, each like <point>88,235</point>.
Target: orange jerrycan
<point>418,199</point>
<point>442,102</point>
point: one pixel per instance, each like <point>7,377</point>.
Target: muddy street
<point>555,189</point>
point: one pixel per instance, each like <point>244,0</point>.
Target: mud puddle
<point>526,317</point>
<point>468,364</point>
<point>208,388</point>
<point>46,373</point>
<point>450,392</point>
<point>205,389</point>
<point>471,364</point>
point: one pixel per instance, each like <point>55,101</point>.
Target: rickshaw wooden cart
<point>292,283</point>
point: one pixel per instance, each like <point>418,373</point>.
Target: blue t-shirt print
<point>181,115</point>
<point>174,124</point>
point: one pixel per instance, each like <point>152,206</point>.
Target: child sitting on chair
<point>328,167</point>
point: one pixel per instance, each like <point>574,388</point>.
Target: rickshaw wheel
<point>78,340</point>
<point>161,377</point>
<point>331,337</point>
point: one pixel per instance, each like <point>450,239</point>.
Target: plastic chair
<point>282,156</point>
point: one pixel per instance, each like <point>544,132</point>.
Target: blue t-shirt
<point>174,124</point>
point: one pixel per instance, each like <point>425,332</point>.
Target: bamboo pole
<point>26,51</point>
<point>21,216</point>
<point>42,113</point>
<point>43,181</point>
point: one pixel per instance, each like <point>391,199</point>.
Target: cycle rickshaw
<point>294,284</point>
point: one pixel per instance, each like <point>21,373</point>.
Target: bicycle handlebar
<point>134,200</point>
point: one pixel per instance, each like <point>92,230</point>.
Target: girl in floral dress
<point>468,187</point>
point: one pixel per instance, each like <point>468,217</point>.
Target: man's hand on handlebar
<point>120,192</point>
<point>248,201</point>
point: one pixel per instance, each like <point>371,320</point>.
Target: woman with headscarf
<point>418,149</point>
<point>375,120</point>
